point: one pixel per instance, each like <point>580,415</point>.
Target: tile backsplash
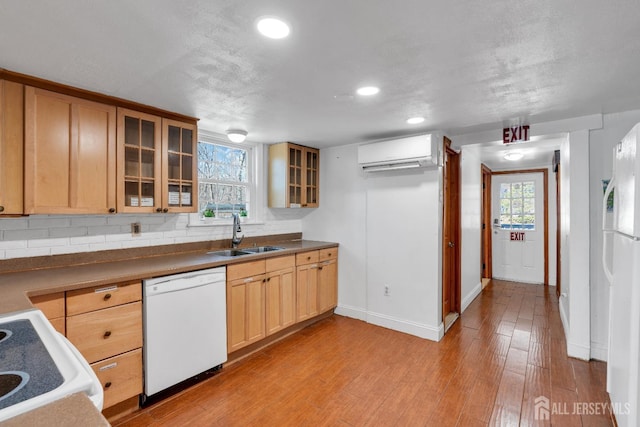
<point>41,235</point>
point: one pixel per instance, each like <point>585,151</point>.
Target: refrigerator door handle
<point>605,231</point>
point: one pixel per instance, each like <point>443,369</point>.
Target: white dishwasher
<point>185,327</point>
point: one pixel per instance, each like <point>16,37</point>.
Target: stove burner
<point>11,382</point>
<point>5,334</point>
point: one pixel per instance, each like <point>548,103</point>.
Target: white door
<point>517,205</point>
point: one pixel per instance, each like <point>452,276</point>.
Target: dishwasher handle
<point>180,283</point>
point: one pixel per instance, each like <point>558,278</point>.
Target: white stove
<point>38,365</point>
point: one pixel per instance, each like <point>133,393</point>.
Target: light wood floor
<point>506,349</point>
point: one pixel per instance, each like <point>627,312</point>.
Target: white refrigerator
<point>622,268</point>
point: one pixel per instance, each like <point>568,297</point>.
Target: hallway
<point>507,349</point>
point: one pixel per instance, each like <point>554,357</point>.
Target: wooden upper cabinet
<point>180,173</point>
<point>139,162</point>
<point>70,154</point>
<point>157,167</point>
<point>11,148</point>
<point>293,176</point>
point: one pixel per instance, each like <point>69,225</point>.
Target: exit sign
<point>517,236</point>
<point>515,134</point>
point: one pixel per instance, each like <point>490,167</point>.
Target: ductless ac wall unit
<point>421,151</point>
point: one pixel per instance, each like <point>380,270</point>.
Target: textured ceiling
<point>464,65</point>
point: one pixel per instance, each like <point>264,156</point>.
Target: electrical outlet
<point>136,229</point>
<point>387,292</point>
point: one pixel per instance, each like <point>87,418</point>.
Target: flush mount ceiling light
<point>236,135</point>
<point>415,120</point>
<point>368,91</point>
<point>273,27</point>
<point>513,156</point>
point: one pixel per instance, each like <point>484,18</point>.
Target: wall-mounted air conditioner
<point>421,151</point>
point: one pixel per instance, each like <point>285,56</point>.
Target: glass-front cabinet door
<point>180,175</point>
<point>311,181</point>
<point>295,176</point>
<point>139,162</point>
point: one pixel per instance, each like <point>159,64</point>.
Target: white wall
<point>388,226</point>
<point>601,143</point>
<point>471,225</point>
<point>574,307</point>
<point>341,218</point>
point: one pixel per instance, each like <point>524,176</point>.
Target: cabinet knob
<point>107,297</point>
<point>319,268</point>
<point>165,210</point>
<point>112,210</point>
<point>107,384</point>
<point>1,208</point>
<point>308,258</point>
<point>268,279</point>
<point>107,334</point>
<point>158,209</point>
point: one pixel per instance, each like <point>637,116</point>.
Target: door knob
<point>451,244</point>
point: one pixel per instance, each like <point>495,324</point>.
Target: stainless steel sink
<point>260,249</point>
<point>230,253</point>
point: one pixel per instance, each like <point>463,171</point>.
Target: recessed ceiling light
<point>236,135</point>
<point>272,27</point>
<point>368,90</point>
<point>415,120</point>
<point>513,156</point>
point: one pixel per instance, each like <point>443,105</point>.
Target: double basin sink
<point>229,253</point>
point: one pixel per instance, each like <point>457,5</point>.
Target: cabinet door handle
<point>1,208</point>
<point>165,210</point>
<point>158,209</point>
<point>106,335</point>
<point>107,297</point>
<point>319,268</point>
<point>112,210</point>
<point>269,279</point>
<point>108,384</point>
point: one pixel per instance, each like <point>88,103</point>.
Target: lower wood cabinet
<point>53,307</point>
<point>307,291</point>
<point>120,376</point>
<point>105,324</point>
<point>280,293</point>
<point>245,311</point>
<point>317,282</point>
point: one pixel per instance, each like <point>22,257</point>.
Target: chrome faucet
<point>235,240</point>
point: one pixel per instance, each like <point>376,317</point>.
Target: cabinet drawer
<point>99,297</point>
<point>330,253</point>
<point>120,376</point>
<point>280,263</point>
<point>104,333</point>
<point>51,305</point>
<point>307,258</point>
<point>245,269</point>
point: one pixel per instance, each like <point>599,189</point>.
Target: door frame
<point>451,219</point>
<point>545,178</point>
<point>486,261</point>
<point>558,172</point>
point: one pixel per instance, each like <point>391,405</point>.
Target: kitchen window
<point>226,183</point>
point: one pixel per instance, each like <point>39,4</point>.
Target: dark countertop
<point>15,288</point>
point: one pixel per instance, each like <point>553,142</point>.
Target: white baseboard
<point>563,317</point>
<point>472,295</point>
<point>578,351</point>
<point>408,327</point>
<point>599,351</point>
<point>353,312</point>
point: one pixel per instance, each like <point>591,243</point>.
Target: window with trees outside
<point>517,205</point>
<point>225,184</point>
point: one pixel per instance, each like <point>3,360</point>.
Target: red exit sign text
<point>515,134</point>
<point>517,235</point>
